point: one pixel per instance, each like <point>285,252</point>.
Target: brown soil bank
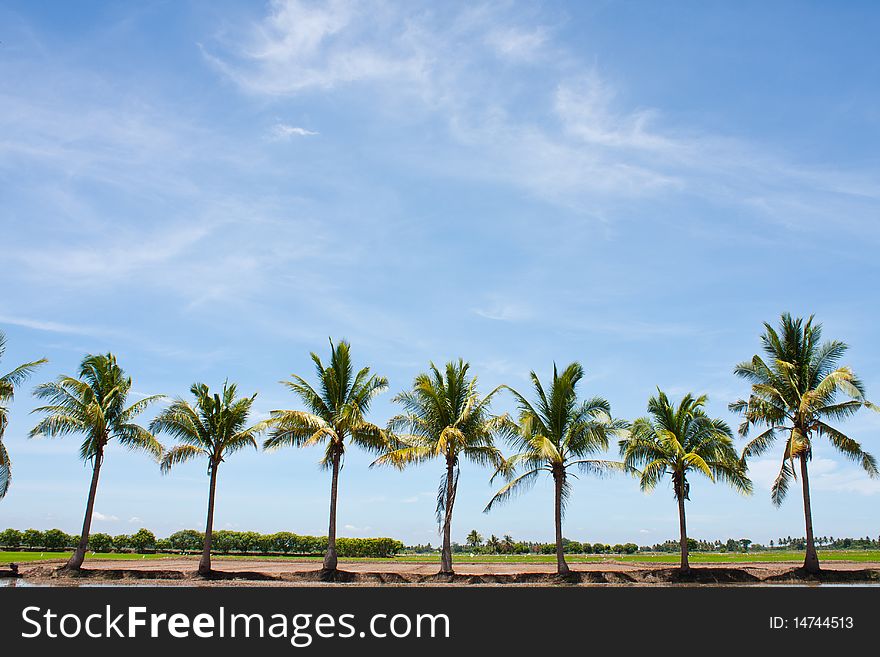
<point>182,572</point>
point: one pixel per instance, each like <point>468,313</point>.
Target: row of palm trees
<point>795,390</point>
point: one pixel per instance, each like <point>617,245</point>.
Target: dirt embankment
<point>179,572</point>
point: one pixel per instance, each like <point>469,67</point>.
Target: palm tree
<point>677,440</point>
<point>8,383</point>
<point>797,393</point>
<point>214,428</point>
<point>444,416</point>
<point>94,405</point>
<point>335,414</point>
<point>555,434</point>
<point>493,544</point>
<point>474,540</point>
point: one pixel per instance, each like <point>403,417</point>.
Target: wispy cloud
<point>284,131</point>
<point>104,517</point>
<point>303,46</point>
<point>579,145</point>
<point>53,327</point>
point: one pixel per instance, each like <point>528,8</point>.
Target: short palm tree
<point>555,434</point>
<point>796,392</point>
<point>8,383</point>
<point>474,540</point>
<point>677,440</point>
<point>444,417</point>
<point>95,404</point>
<point>335,415</point>
<point>212,429</point>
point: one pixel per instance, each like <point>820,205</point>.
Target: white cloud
<point>134,519</point>
<point>301,46</point>
<point>578,146</point>
<point>284,131</point>
<point>97,515</point>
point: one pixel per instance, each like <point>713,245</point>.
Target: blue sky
<point>212,189</point>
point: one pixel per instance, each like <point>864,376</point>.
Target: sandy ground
<point>181,571</point>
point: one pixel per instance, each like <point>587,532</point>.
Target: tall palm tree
<point>215,427</point>
<point>555,434</point>
<point>796,392</point>
<point>444,417</point>
<point>95,405</point>
<point>335,414</point>
<point>8,383</point>
<point>677,440</point>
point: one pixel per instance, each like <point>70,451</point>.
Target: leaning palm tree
<point>8,383</point>
<point>555,434</point>
<point>95,404</point>
<point>444,417</point>
<point>215,427</point>
<point>335,414</point>
<point>678,440</point>
<point>796,392</point>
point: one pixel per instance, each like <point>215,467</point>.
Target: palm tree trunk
<point>205,562</point>
<point>682,528</point>
<point>446,552</point>
<point>79,555</point>
<point>811,560</point>
<point>330,559</point>
<point>561,566</point>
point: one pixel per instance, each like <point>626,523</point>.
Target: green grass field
<point>695,557</point>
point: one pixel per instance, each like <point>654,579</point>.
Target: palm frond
<point>180,454</point>
<point>514,487</point>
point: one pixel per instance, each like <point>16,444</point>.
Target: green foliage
<point>368,547</point>
<point>796,393</point>
<point>335,413</point>
<point>94,405</point>
<point>8,383</point>
<point>100,542</point>
<point>122,542</point>
<point>187,540</point>
<point>11,538</point>
<point>55,539</point>
<point>142,540</point>
<point>677,440</point>
<point>215,427</point>
<point>33,538</point>
<point>556,434</point>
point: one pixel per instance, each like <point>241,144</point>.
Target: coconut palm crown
<point>556,434</point>
<point>212,429</point>
<point>444,417</point>
<point>336,413</point>
<point>676,440</point>
<point>8,383</point>
<point>796,393</point>
<point>96,406</point>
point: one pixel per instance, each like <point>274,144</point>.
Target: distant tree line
<point>192,541</point>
